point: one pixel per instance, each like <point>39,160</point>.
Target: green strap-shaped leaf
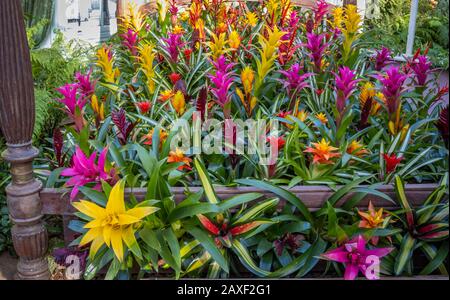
<point>405,253</point>
<point>282,193</point>
<point>238,200</point>
<point>256,211</point>
<point>191,210</point>
<point>403,201</point>
<point>437,258</point>
<point>206,181</point>
<point>94,195</point>
<point>209,246</point>
<point>245,258</point>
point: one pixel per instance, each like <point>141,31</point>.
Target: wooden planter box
<point>57,202</point>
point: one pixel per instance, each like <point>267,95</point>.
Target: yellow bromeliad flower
<point>217,45</point>
<point>247,77</point>
<point>234,40</point>
<point>246,97</point>
<point>200,27</point>
<point>268,53</point>
<point>163,7</point>
<point>368,92</point>
<point>106,62</point>
<point>322,152</point>
<point>146,58</point>
<point>351,28</point>
<point>179,103</point>
<point>133,19</point>
<point>251,19</point>
<point>99,110</point>
<point>113,225</point>
<point>322,118</point>
<point>338,17</point>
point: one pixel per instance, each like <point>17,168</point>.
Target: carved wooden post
<point>122,6</point>
<point>17,122</point>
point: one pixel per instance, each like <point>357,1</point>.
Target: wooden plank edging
<point>57,202</point>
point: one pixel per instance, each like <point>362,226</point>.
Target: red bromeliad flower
<point>174,77</point>
<point>144,106</point>
<point>276,141</point>
<point>187,54</point>
<point>442,124</point>
<point>356,257</point>
<point>392,162</point>
<point>223,232</point>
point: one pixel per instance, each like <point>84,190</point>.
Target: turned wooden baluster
<point>17,122</point>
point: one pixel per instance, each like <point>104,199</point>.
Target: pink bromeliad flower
<point>316,47</point>
<point>84,170</point>
<point>357,257</point>
<point>294,82</point>
<point>421,67</point>
<point>173,46</point>
<point>130,40</point>
<point>222,81</point>
<point>392,83</point>
<point>85,85</point>
<point>71,99</point>
<point>382,58</point>
<point>345,86</point>
<point>320,10</point>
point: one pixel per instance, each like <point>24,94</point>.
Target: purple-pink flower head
<point>173,46</point>
<point>222,80</point>
<point>357,257</point>
<point>85,85</point>
<point>130,40</point>
<point>320,11</point>
<point>345,86</point>
<point>294,20</point>
<point>382,58</point>
<point>421,68</point>
<point>71,99</point>
<point>392,83</point>
<point>294,82</point>
<point>84,170</point>
<point>316,46</point>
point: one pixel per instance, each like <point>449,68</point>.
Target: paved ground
<point>7,266</point>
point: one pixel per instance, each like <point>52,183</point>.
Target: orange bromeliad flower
<point>234,40</point>
<point>323,152</point>
<point>148,138</point>
<point>178,156</point>
<point>322,118</point>
<point>356,148</point>
<point>166,95</point>
<point>372,219</point>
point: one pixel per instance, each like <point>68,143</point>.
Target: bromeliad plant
<point>348,116</point>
